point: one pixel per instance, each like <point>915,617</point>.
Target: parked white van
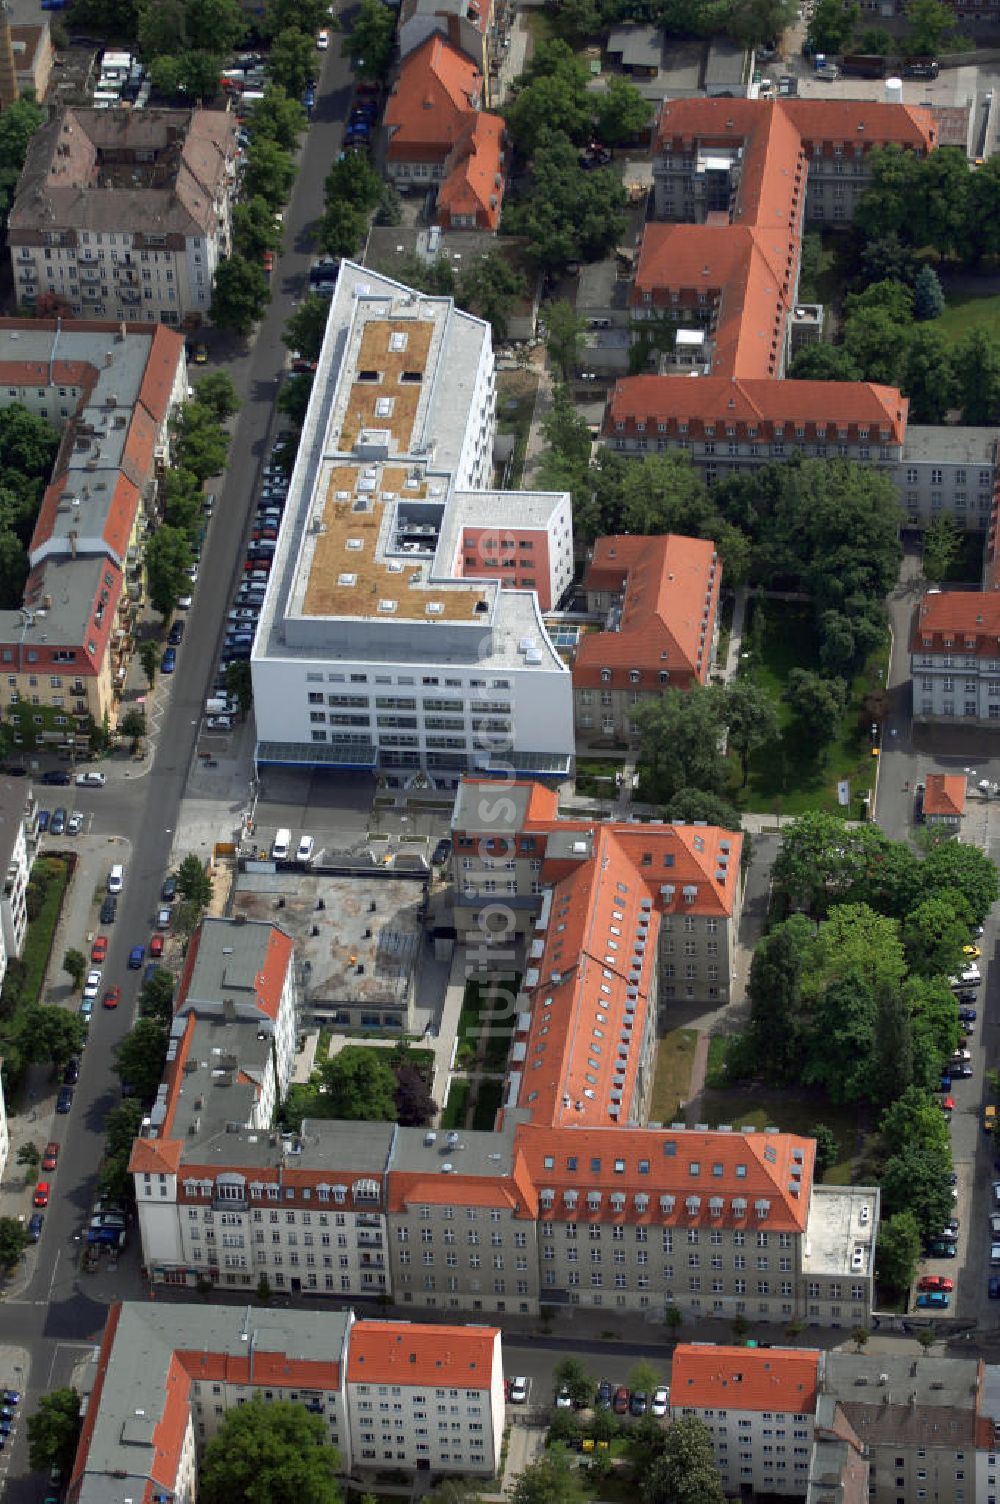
<point>281,845</point>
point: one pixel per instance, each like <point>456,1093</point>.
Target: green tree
<point>934,933</point>
<point>552,96</point>
<point>156,997</point>
<point>822,362</point>
<point>566,432</point>
<point>913,1120</point>
<point>751,718</point>
<point>927,375</point>
<point>777,1026</point>
<point>354,179</point>
<point>570,1374</point>
<point>564,332</point>
<point>644,1376</point>
<point>832,26</point>
<point>29,1155</point>
<point>898,1251</point>
<point>255,229</point>
<point>306,327</point>
<point>983,211</point>
<point>935,1026</point>
<point>193,882</point>
<point>967,870</point>
<point>928,299</point>
<point>371,41</point>
<point>621,112</point>
<point>553,1479</point>
<point>47,1033</point>
<point>917,1180</point>
<point>200,442</point>
<point>133,723</point>
<point>817,704</point>
<point>214,25</point>
<point>75,963</point>
<point>821,860</point>
<point>942,541</point>
<point>13,1242</point>
<point>565,214</point>
<point>931,25</point>
<point>679,734</point>
<point>139,1058</point>
<point>309,15</point>
<point>875,41</point>
<point>343,228</point>
<point>239,683</point>
<point>217,391</point>
<point>279,117</point>
<point>239,296</point>
<point>149,657</point>
<point>269,172</point>
<point>270,1453</point>
<point>886,258</point>
<point>841,1040</point>
<point>490,288</point>
<point>168,559</point>
<point>827,1148</point>
<point>292,62</point>
<point>293,399</point>
<point>685,1470</point>
<point>977,377</point>
<point>360,1085</point>
<point>876,342</point>
<point>18,123</point>
<point>121,1128</point>
<point>892,1065</point>
<point>28,444</point>
<point>54,1430</point>
<point>695,804</point>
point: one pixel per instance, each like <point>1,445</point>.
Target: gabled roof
<point>719,400</point>
<point>437,91</point>
<point>670,585</point>
<point>944,794</point>
<point>707,1377</point>
<point>967,619</point>
<point>730,121</point>
<point>474,183</point>
<point>403,1352</point>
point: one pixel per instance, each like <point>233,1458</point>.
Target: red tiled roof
<point>719,402</point>
<point>155,1156</point>
<point>707,1377</point>
<point>671,596</point>
<point>400,1352</point>
<point>436,92</point>
<point>730,121</point>
<point>944,794</point>
<point>668,1178</point>
<point>967,619</point>
<point>271,981</point>
<point>171,1427</point>
<point>474,182</point>
<point>268,1368</point>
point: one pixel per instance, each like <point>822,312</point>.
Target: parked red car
<point>99,949</point>
<point>51,1156</point>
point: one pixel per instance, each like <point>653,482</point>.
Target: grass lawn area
<point>788,777</point>
<point>487,1106</point>
<point>595,777</point>
<point>41,931</point>
<point>453,1115</point>
<point>965,311</point>
<point>825,283</point>
<point>718,1045</point>
<point>674,1059</point>
<point>486,1023</point>
<point>967,565</point>
<point>793,1112</point>
<point>516,392</point>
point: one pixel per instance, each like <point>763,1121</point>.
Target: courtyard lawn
<point>453,1115</point>
<point>487,1105</point>
<point>486,1023</point>
<point>793,1112</point>
<point>967,310</point>
<point>516,392</point>
<point>672,1082</point>
<point>595,777</point>
<point>789,777</point>
<point>52,873</point>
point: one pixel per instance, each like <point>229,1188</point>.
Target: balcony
<point>365,1219</point>
<point>372,1261</point>
<point>369,1240</point>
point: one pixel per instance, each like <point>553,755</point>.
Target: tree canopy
<point>565,215</point>
<point>274,1452</point>
<point>54,1430</point>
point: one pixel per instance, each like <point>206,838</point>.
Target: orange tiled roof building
<point>438,136</point>
<point>736,181</point>
<point>617,921</point>
<point>660,600</point>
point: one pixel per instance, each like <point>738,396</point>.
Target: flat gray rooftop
<point>948,444</point>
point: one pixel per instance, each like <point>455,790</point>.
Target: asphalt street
<point>60,1311</point>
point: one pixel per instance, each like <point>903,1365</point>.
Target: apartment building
<point>437,134</point>
<point>660,601</point>
<point>19,815</point>
<point>124,214</point>
<point>390,1394</point>
<point>111,390</point>
<point>736,183</point>
<point>514,859</point>
<point>955,658</point>
<point>245,969</point>
<point>392,637</point>
<point>759,1408</point>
